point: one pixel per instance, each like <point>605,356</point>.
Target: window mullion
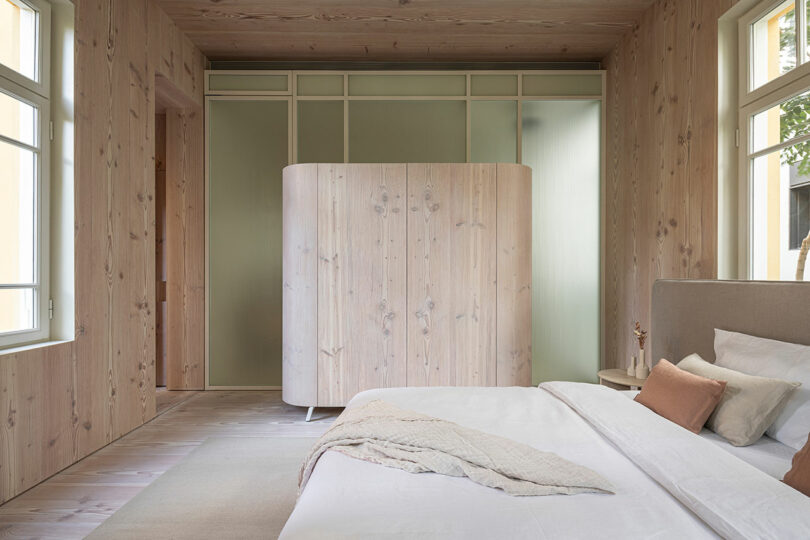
<point>801,31</point>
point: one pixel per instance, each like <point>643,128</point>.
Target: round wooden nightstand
<point>619,379</point>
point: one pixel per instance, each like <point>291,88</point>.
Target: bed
<point>669,483</point>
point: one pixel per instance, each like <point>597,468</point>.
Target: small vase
<point>642,372</point>
<point>631,367</point>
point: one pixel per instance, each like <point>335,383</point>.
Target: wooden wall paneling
<point>361,280</point>
<point>451,275</point>
<point>194,245</point>
<point>661,180</point>
<point>300,286</point>
<point>62,402</point>
<point>139,375</point>
<point>514,214</point>
<point>160,244</point>
<point>185,254</point>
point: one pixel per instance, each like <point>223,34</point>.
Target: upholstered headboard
<point>686,312</point>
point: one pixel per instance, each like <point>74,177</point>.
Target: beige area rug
<point>229,487</point>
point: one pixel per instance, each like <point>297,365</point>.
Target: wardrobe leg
<point>309,413</point>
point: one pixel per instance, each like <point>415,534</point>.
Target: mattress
<point>768,455</point>
<point>661,491</point>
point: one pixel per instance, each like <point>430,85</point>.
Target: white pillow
<point>776,359</point>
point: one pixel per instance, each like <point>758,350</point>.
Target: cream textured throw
<point>382,433</point>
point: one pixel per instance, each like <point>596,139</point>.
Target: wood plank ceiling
<point>405,30</point>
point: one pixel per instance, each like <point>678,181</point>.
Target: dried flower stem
<point>641,335</point>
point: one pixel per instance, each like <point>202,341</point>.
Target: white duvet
<point>669,482</point>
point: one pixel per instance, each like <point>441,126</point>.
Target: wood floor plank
<point>74,502</point>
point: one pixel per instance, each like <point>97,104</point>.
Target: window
<point>24,121</point>
<point>776,38</point>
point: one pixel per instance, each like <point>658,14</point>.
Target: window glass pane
<point>275,83</point>
<point>561,143</point>
<point>320,85</point>
<point>781,123</point>
<point>17,119</point>
<point>407,131</point>
<point>493,132</point>
<point>780,211</point>
<point>407,85</point>
<point>493,85</point>
<point>773,44</point>
<point>799,215</point>
<point>247,152</point>
<point>562,85</point>
<point>17,214</point>
<point>18,38</point>
<point>320,131</point>
<point>807,29</point>
<point>17,310</point>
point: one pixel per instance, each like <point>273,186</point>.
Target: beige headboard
<point>685,314</point>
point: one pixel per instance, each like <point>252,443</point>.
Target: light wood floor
<point>166,399</point>
<point>75,501</point>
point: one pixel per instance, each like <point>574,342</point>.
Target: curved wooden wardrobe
<point>405,275</point>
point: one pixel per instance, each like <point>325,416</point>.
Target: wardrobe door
<point>361,279</point>
<point>452,275</point>
<point>561,143</point>
<point>248,148</point>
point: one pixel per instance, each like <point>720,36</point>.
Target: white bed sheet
<point>347,498</point>
<point>768,455</point>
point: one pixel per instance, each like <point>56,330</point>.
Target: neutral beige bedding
<point>381,433</point>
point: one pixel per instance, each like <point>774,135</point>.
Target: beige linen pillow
<point>749,405</point>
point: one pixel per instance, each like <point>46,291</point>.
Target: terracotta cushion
<point>680,396</point>
<point>798,477</point>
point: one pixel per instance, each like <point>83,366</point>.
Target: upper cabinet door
<point>452,228</point>
<point>361,279</point>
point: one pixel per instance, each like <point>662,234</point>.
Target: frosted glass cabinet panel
<point>320,85</point>
<point>561,143</point>
<point>493,132</point>
<point>407,85</point>
<point>320,131</point>
<point>248,148</point>
<point>407,131</point>
<point>248,83</point>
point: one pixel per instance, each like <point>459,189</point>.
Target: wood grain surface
<point>300,286</point>
<point>414,30</point>
<point>361,279</point>
<point>514,275</point>
<point>661,184</point>
<point>452,272</point>
<point>71,504</point>
<point>61,402</point>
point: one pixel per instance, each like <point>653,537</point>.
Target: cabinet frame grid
<point>292,97</point>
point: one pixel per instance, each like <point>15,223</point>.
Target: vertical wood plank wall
<point>62,402</point>
<point>160,244</point>
<point>661,185</point>
<point>185,249</point>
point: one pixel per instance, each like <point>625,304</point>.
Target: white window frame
<point>37,94</point>
<point>752,102</point>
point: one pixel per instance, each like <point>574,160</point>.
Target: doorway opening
<point>179,278</point>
